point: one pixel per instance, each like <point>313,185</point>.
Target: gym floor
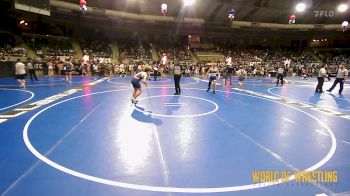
<point>86,138</point>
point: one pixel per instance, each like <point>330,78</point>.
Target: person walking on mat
<point>342,75</point>
<point>213,73</point>
<point>31,70</point>
<point>20,73</point>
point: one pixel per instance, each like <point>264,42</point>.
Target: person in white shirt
<point>135,81</point>
<point>139,68</point>
<point>342,75</point>
<point>287,63</point>
<point>322,73</point>
<point>122,70</point>
<point>213,73</point>
<point>229,61</point>
<point>20,73</point>
<point>131,68</point>
<point>230,69</point>
<point>50,66</point>
<point>92,68</point>
<point>164,59</point>
<point>242,74</point>
<point>280,74</point>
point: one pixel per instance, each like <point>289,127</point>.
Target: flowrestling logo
<point>324,13</point>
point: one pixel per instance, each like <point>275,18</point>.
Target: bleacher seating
<point>9,46</point>
<point>50,46</point>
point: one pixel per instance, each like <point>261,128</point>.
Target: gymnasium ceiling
<point>216,11</point>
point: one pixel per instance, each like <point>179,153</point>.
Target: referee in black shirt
<point>177,77</point>
<point>31,70</point>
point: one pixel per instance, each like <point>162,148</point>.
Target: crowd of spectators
<point>50,46</point>
<point>261,62</point>
<point>178,53</point>
<point>96,48</point>
<point>257,62</point>
<point>335,57</point>
<point>9,46</point>
<point>136,53</point>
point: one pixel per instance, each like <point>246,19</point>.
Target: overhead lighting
<point>22,21</point>
<point>300,7</point>
<point>188,2</point>
<point>342,7</point>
